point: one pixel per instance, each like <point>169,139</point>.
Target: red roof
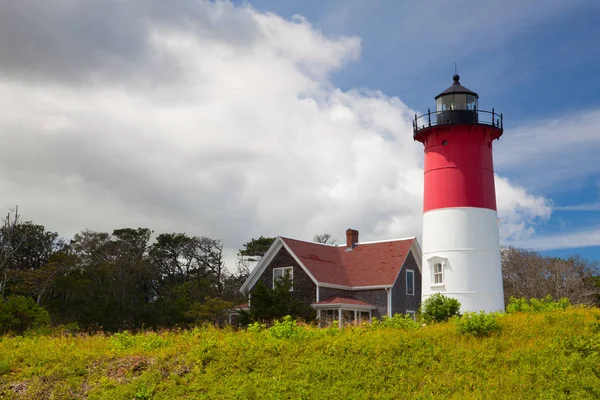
<point>242,306</point>
<point>343,300</point>
<point>367,264</point>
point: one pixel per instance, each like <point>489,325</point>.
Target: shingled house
<point>349,283</point>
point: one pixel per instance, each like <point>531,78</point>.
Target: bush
<point>287,328</point>
<point>536,305</point>
<point>478,324</point>
<point>123,340</point>
<point>398,321</point>
<point>438,308</point>
<point>19,314</point>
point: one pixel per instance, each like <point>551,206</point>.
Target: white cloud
<point>245,136</point>
<point>580,207</point>
<point>564,240</point>
<point>519,211</point>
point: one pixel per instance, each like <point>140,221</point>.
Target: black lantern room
<point>457,104</point>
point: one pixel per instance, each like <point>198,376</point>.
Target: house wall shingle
<point>325,292</point>
<point>304,290</point>
<point>376,297</point>
<point>400,300</point>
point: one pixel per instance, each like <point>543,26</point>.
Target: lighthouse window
<point>471,102</point>
<point>438,274</point>
<point>460,101</point>
<point>410,282</point>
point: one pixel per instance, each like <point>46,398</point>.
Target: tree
<point>527,274</point>
<point>23,262</point>
<point>103,280</point>
<point>20,313</point>
<point>255,249</point>
<point>9,244</point>
<point>213,310</point>
<point>189,269</point>
<point>325,238</point>
<point>269,304</point>
<point>250,254</point>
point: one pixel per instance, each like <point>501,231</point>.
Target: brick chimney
<point>351,238</point>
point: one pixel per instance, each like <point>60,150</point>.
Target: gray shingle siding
<point>325,292</point>
<point>401,302</point>
<point>304,290</point>
<point>376,297</point>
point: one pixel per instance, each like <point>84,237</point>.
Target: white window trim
<point>291,269</point>
<point>437,260</point>
<point>412,271</point>
<point>412,314</point>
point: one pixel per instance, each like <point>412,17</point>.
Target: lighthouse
<point>461,241</point>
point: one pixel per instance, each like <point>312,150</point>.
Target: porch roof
<point>343,302</point>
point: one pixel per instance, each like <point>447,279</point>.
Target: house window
<point>279,273</point>
<point>412,314</point>
<point>331,315</point>
<point>438,274</point>
<point>410,282</point>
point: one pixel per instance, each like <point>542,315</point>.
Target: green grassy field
<point>551,355</point>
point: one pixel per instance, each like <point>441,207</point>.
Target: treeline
<point>528,274</point>
<point>119,280</point>
<point>132,279</point>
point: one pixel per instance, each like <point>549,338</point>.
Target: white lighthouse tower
<point>461,244</point>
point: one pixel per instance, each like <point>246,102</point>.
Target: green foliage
<point>255,249</point>
<point>256,327</point>
<point>123,340</point>
<point>287,328</point>
<point>551,355</point>
<point>19,314</point>
<point>142,392</point>
<point>272,304</point>
<point>397,321</point>
<point>478,324</point>
<point>534,305</point>
<point>438,308</point>
<point>4,368</point>
<point>211,310</point>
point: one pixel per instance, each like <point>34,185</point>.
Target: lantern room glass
<point>456,101</point>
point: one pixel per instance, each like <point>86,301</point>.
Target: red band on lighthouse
<point>459,169</point>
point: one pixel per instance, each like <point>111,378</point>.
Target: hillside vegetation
<point>550,355</point>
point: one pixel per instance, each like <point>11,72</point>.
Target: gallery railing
<point>450,117</point>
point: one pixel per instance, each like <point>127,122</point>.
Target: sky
<point>238,119</point>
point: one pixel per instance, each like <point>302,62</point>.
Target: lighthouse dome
<point>456,97</point>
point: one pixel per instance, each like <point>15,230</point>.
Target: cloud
<point>519,211</point>
<point>565,240</point>
<point>204,118</point>
<point>552,155</point>
<point>579,207</point>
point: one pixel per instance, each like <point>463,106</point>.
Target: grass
<point>549,355</point>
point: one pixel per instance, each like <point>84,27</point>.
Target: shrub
<point>398,321</point>
<point>123,340</point>
<point>536,305</point>
<point>4,368</point>
<point>438,308</point>
<point>19,314</point>
<point>478,324</point>
<point>285,329</point>
<point>256,327</point>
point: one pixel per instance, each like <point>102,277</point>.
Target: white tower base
<point>465,241</point>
